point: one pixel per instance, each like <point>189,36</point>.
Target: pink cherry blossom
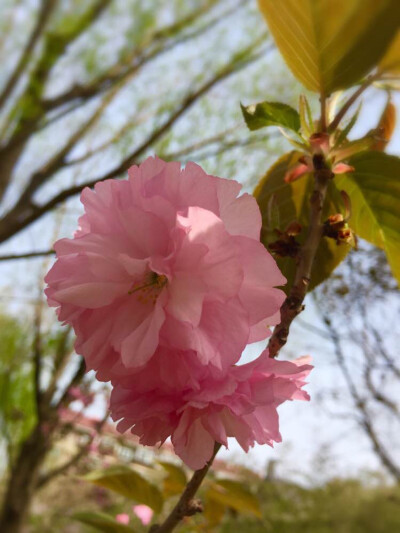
<point>144,513</point>
<point>171,258</point>
<point>196,408</point>
<point>122,518</point>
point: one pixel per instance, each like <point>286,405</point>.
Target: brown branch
<point>293,304</point>
<point>139,57</point>
<point>76,378</point>
<point>25,212</point>
<point>186,505</point>
<point>61,357</point>
<point>27,255</point>
<point>359,402</point>
<point>74,460</point>
<point>26,125</point>
<point>376,394</point>
<point>37,360</point>
<point>45,11</point>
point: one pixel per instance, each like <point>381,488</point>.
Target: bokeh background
<point>88,88</point>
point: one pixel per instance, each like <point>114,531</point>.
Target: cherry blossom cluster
<point>165,282</point>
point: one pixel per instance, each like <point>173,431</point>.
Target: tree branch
<point>139,57</point>
<point>45,11</point>
<point>37,360</point>
<point>74,460</point>
<point>293,305</point>
<point>25,212</point>
<point>359,402</point>
<point>186,505</point>
<point>27,255</point>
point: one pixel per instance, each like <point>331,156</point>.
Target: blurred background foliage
<point>88,88</point>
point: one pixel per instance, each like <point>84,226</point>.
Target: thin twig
<point>186,505</point>
<point>293,305</point>
<point>27,255</point>
<point>45,11</point>
<point>74,460</point>
<point>360,403</point>
<point>25,212</point>
<point>37,358</point>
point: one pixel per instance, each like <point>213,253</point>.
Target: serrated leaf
<point>292,201</point>
<point>331,45</point>
<point>128,483</point>
<point>271,114</point>
<point>233,494</point>
<point>374,190</point>
<point>175,481</point>
<point>102,522</point>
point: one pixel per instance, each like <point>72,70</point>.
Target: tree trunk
<point>22,481</point>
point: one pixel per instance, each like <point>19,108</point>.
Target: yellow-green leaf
<point>213,511</point>
<point>130,484</point>
<point>331,44</point>
<point>233,494</point>
<point>102,522</point>
<point>175,481</point>
<point>292,202</point>
<point>374,190</point>
<point>265,114</point>
<point>390,63</point>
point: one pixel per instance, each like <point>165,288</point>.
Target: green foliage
<point>129,483</point>
<point>340,506</point>
<point>291,202</point>
<point>230,494</point>
<point>390,63</point>
<point>102,522</point>
<point>271,114</point>
<point>374,190</point>
<point>331,45</point>
<point>175,480</point>
<point>17,394</point>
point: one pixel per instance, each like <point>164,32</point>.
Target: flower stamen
<point>151,288</point>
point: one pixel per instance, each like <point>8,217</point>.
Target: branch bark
<point>25,212</point>
<point>45,11</point>
<point>359,402</point>
<point>186,505</point>
<point>293,305</point>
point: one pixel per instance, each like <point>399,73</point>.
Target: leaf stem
<point>293,305</point>
<point>186,505</point>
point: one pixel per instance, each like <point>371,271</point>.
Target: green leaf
<point>374,190</point>
<point>233,494</point>
<point>214,511</point>
<point>175,481</point>
<point>331,45</point>
<point>390,63</point>
<point>265,114</point>
<point>102,522</point>
<point>129,483</point>
<point>292,202</point>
